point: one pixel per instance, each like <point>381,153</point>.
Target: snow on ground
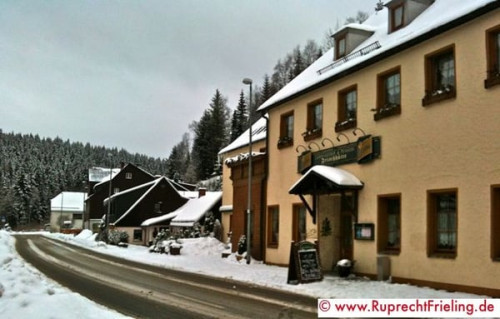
<point>25,292</point>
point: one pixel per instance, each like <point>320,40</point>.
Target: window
<point>495,222</point>
<point>440,76</point>
<point>397,18</point>
<point>442,223</point>
<point>340,47</point>
<point>137,234</point>
<point>314,121</point>
<point>389,224</point>
<point>273,226</point>
<point>388,94</point>
<point>77,216</point>
<point>493,57</point>
<point>286,130</point>
<point>299,223</point>
<point>128,176</point>
<point>158,208</point>
<point>347,109</point>
<point>116,190</point>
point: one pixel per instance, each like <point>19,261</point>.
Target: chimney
<point>202,191</point>
<point>122,165</point>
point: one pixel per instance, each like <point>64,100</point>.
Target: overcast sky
<point>135,74</point>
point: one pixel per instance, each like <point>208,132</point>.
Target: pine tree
<point>239,121</point>
<point>179,159</point>
<point>201,146</point>
<point>267,90</point>
<point>211,134</point>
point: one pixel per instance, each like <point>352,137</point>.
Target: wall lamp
<point>298,146</point>
<point>358,129</point>
<point>309,145</point>
<point>342,134</point>
<point>326,139</point>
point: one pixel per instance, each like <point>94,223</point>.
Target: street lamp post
<point>248,81</point>
<point>109,198</point>
<point>61,217</point>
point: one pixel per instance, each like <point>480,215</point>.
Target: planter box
<point>175,250</point>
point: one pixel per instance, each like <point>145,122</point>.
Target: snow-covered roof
<point>226,208</point>
<point>194,209</point>
<point>357,26</point>
<point>437,15</point>
<point>337,176</point>
<point>101,174</point>
<point>159,219</point>
<point>128,190</point>
<point>241,157</point>
<point>68,202</point>
<point>189,194</point>
<point>151,185</point>
<point>259,132</point>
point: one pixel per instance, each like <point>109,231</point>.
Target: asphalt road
<point>143,291</point>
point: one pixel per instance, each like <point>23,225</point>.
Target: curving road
<point>144,291</point>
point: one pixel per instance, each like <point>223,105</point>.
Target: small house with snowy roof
<point>66,211</point>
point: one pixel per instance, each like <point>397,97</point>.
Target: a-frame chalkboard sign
<point>304,265</point>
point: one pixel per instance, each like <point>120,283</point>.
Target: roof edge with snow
<point>412,41</point>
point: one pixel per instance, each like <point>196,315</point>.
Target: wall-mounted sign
<point>304,161</point>
<point>368,148</point>
<point>364,150</point>
<point>364,231</point>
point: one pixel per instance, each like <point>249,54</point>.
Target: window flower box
<point>312,134</point>
<point>285,141</point>
<point>493,78</point>
<point>387,110</point>
<point>344,125</point>
<point>443,93</point>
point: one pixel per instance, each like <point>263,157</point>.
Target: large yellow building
<point>386,149</point>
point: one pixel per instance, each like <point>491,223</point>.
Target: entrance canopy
<point>322,179</point>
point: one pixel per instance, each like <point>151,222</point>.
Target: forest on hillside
<point>33,170</point>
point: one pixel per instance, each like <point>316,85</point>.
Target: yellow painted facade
<point>452,144</point>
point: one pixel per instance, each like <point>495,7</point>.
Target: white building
<point>66,211</point>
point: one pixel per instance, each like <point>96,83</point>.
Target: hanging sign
<point>364,150</point>
<point>304,161</point>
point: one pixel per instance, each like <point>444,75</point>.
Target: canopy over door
<point>322,179</point>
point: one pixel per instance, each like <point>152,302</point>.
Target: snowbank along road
<point>145,291</point>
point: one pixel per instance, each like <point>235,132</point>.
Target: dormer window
<point>403,12</point>
<point>349,38</point>
<point>397,17</point>
<point>340,46</point>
